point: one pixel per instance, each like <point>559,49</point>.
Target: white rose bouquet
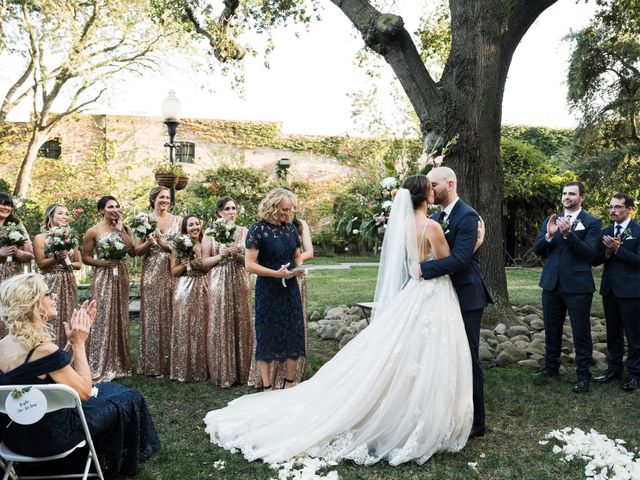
<point>143,224</point>
<point>12,235</point>
<point>222,231</point>
<point>60,239</point>
<point>112,248</point>
<point>183,248</point>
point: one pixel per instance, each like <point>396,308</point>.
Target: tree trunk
<point>24,176</point>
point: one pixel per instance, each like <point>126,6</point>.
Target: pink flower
<point>438,161</point>
<point>77,211</point>
<point>423,159</point>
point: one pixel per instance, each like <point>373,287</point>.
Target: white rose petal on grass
<point>219,464</point>
<point>355,231</point>
<point>473,465</point>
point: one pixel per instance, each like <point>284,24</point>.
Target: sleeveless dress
<point>230,337</point>
<point>118,418</point>
<point>401,390</point>
<point>8,270</point>
<point>108,344</point>
<point>62,282</point>
<point>155,310</point>
<point>189,328</point>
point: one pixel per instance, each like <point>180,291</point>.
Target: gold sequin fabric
<point>62,282</point>
<point>230,337</point>
<point>277,369</point>
<point>189,328</point>
<point>8,270</point>
<point>156,288</point>
<point>109,355</point>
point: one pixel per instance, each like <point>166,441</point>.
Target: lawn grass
<point>521,409</point>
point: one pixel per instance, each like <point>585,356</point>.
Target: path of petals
<point>304,469</point>
<point>606,459</point>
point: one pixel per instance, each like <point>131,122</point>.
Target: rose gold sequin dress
<point>8,270</point>
<point>62,282</point>
<point>156,288</point>
<point>189,328</point>
<point>109,355</point>
<point>230,337</point>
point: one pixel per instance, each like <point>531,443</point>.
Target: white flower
<point>386,204</point>
<point>388,183</point>
<point>15,236</point>
<point>355,231</point>
<point>118,245</point>
<point>188,242</point>
<point>346,249</point>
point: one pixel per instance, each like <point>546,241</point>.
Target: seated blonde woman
<point>118,418</point>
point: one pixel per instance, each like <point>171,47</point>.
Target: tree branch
<point>71,110</point>
<point>522,15</point>
<point>385,34</point>
<point>8,103</point>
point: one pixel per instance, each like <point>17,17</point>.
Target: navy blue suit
<point>620,290</point>
<point>463,265</point>
<point>567,285</point>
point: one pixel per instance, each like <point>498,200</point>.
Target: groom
<point>460,224</point>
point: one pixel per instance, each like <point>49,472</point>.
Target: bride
<point>401,390</point>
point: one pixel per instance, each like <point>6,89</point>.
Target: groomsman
<point>620,290</point>
<point>568,243</point>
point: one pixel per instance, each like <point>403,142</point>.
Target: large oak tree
<point>465,101</point>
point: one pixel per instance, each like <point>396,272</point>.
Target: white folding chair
<point>58,396</point>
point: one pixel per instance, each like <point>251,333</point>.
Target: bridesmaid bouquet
<point>12,235</point>
<point>112,248</point>
<point>60,239</point>
<point>222,231</point>
<point>183,247</point>
<point>143,224</point>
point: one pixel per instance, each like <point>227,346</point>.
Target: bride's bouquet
<point>12,235</point>
<point>222,231</point>
<point>143,224</point>
<point>112,248</point>
<point>183,248</point>
<point>60,239</point>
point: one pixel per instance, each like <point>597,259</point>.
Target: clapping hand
<point>612,244</point>
<point>552,227</point>
<point>564,224</point>
<point>77,329</point>
<point>480,234</point>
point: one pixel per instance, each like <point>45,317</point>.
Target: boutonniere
<point>627,235</point>
<point>575,223</point>
<point>445,225</point>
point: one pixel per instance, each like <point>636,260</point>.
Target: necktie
<point>618,230</point>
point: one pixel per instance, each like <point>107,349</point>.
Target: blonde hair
<point>268,207</point>
<point>48,216</point>
<point>20,310</point>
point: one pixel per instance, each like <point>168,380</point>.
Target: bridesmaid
<point>230,338</point>
<point>155,303</point>
<point>190,311</point>
<point>19,256</point>
<point>277,368</point>
<point>57,276</point>
<point>109,355</point>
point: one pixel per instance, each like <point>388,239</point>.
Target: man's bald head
<point>442,174</point>
<point>444,185</point>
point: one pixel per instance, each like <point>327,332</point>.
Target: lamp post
<point>171,108</point>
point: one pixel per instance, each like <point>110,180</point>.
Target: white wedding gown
<point>401,390</point>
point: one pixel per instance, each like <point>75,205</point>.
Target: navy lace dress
<point>279,321</point>
<point>118,419</point>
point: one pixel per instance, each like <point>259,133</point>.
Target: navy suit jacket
<point>463,264</point>
<point>621,272</point>
<point>567,261</point>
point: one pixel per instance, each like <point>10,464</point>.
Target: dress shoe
<point>607,377</point>
<point>630,384</point>
<point>477,431</point>
<point>547,372</point>
<point>581,386</point>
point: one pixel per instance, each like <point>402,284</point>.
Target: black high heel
<point>267,387</point>
<point>286,380</point>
